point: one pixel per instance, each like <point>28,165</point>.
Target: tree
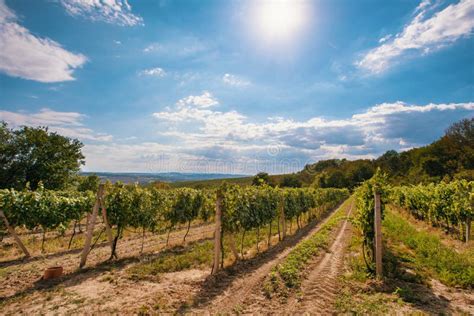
<point>291,181</point>
<point>261,178</point>
<point>36,155</point>
<point>89,183</point>
<point>461,137</point>
<point>462,132</point>
<point>360,171</point>
<point>337,179</point>
<point>390,162</point>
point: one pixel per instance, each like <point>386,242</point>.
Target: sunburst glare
<point>279,20</point>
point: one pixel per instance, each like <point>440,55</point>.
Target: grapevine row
<point>364,217</point>
<point>444,204</point>
<point>128,206</point>
<point>249,208</point>
<point>132,206</point>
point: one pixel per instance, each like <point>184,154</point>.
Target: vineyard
<point>262,244</point>
<point>448,205</point>
<point>243,157</point>
<point>153,210</point>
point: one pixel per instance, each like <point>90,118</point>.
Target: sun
<point>279,20</point>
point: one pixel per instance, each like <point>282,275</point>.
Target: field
<point>316,268</point>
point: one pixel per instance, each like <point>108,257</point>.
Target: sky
<point>236,86</point>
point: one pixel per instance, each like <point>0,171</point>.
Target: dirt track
<point>243,291</point>
<point>320,286</point>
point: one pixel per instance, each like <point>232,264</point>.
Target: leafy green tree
<point>88,183</point>
<point>359,171</point>
<point>291,181</point>
<point>390,162</point>
<point>261,178</point>
<point>337,179</point>
<point>33,155</point>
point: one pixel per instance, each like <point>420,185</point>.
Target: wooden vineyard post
<point>468,229</point>
<point>378,236</point>
<point>218,234</point>
<point>11,230</point>
<point>90,227</point>
<point>282,217</point>
<point>106,222</point>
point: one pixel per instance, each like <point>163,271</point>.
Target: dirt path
<point>321,285</point>
<point>21,277</point>
<point>241,285</point>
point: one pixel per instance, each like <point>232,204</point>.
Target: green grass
<point>288,273</point>
<point>4,272</point>
<point>428,255</point>
<point>411,258</point>
<point>197,255</point>
<point>365,304</point>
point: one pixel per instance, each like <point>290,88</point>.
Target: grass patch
<point>426,254</point>
<point>197,255</point>
<point>363,303</point>
<point>288,274</point>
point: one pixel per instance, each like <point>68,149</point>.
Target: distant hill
<point>449,157</point>
<point>144,178</point>
<point>212,183</point>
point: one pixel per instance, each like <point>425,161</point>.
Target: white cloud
<point>368,134</point>
<point>423,35</point>
<point>234,80</point>
<point>205,100</point>
<point>385,38</point>
<point>125,157</point>
<point>65,123</point>
<point>27,56</point>
<point>203,139</point>
<point>155,72</point>
<point>152,47</point>
<point>110,11</point>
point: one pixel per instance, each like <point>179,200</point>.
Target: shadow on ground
<point>216,284</point>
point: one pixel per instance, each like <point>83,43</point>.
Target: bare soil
<point>321,284</point>
<point>21,278</point>
<point>240,289</point>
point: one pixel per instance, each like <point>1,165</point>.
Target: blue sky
<point>236,86</point>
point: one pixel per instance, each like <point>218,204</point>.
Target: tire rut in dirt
<point>320,287</point>
<point>233,286</point>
